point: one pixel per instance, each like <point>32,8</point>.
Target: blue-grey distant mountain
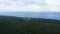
<point>50,15</point>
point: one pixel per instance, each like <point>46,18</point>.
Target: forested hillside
<point>24,25</point>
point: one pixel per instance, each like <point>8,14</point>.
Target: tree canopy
<point>25,25</point>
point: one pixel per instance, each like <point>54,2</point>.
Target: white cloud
<point>20,8</point>
<point>53,2</point>
<point>30,5</point>
<point>53,5</point>
<point>7,5</point>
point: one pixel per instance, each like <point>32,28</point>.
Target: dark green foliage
<point>21,25</point>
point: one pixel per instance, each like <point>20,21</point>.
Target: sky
<point>30,5</point>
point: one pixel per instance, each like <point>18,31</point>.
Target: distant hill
<point>30,19</point>
<point>25,25</point>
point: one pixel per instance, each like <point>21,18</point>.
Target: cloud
<point>53,5</point>
<point>53,2</point>
<point>30,5</point>
<point>20,5</point>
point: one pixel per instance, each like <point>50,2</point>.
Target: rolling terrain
<point>24,25</point>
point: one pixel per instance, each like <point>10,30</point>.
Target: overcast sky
<point>30,5</point>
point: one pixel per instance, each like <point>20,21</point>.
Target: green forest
<point>25,25</point>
